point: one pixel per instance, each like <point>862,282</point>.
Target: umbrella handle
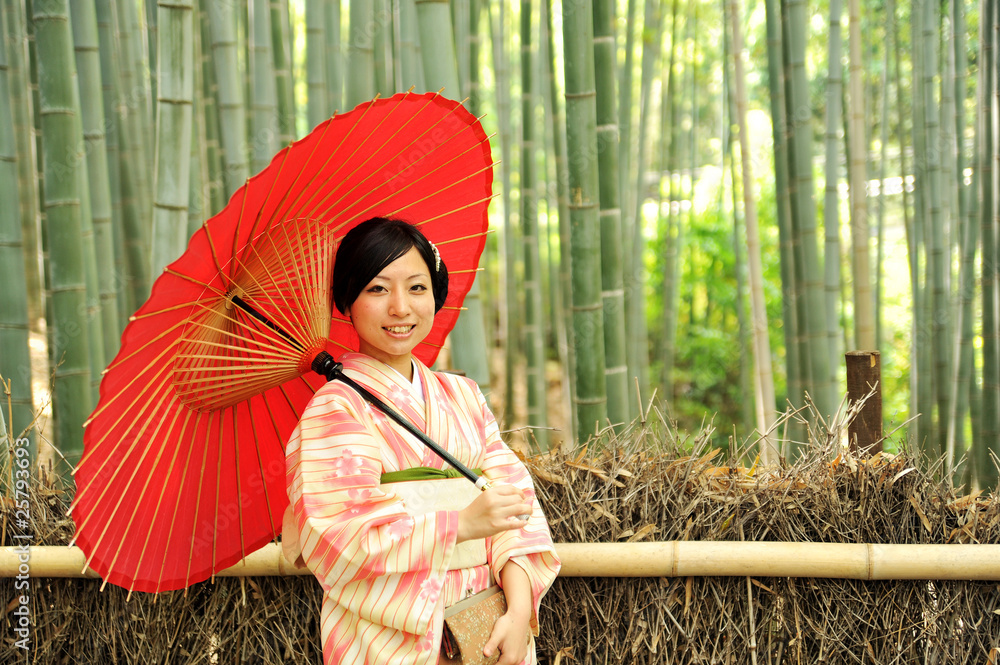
<point>324,365</point>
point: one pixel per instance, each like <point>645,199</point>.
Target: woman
<point>385,573</point>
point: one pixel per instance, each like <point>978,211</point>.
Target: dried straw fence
<point>643,486</point>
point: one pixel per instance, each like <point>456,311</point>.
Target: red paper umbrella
<point>183,471</point>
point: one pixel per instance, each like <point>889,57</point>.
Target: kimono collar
<point>408,397</point>
<point>432,414</point>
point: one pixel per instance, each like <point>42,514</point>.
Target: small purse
<point>468,625</point>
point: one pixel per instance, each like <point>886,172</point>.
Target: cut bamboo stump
<point>864,374</point>
<point>660,559</point>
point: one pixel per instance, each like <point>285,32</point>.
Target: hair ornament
<point>437,257</point>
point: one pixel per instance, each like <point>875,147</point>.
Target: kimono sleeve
<point>369,555</point>
<point>529,547</point>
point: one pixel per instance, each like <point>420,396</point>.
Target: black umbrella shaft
<point>246,307</point>
<point>325,365</point>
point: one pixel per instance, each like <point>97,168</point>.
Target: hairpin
<point>437,257</point>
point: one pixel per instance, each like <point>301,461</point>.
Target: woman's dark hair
<point>371,246</point>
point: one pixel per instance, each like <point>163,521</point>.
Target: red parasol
<point>183,471</point>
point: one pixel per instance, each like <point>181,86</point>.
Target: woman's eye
<point>418,287</point>
<point>375,289</point>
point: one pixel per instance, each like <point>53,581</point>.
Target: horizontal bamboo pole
<point>662,559</point>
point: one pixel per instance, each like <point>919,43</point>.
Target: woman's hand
<point>510,636</point>
<point>512,631</point>
<point>495,510</point>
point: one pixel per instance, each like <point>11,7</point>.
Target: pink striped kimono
<point>384,573</point>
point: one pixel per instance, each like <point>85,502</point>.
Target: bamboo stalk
<point>533,324</point>
<point>173,134</point>
<point>14,351</point>
<point>616,371</point>
<point>318,99</point>
<point>92,113</point>
<point>69,332</point>
<point>857,561</point>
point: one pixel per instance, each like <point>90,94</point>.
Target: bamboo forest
<point>700,206</point>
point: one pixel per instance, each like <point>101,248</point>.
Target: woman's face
<point>395,311</point>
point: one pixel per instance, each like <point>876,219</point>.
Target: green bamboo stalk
<point>264,127</point>
<point>585,238</point>
<point>949,182</point>
<point>129,112</point>
<point>15,355</point>
<point>561,271</point>
<point>69,333</point>
<point>461,18</point>
<point>899,138</point>
<point>626,178</point>
<point>316,60</point>
<point>199,178</point>
<point>139,104</point>
<point>150,52</point>
<point>475,41</point>
<point>16,42</point>
<point>747,408</point>
<point>880,215</point>
<point>533,326</point>
<point>822,379</point>
<point>670,124</point>
<point>469,349</point>
<point>88,65</point>
<point>232,112</point>
<point>764,384</point>
<point>937,251</point>
<point>334,56</point>
<point>864,303</point>
<point>962,370</point>
<point>776,84</point>
<point>281,50</point>
<point>637,348</point>
<point>199,197</point>
<point>173,132</point>
<point>612,269</point>
<point>626,147</point>
<point>381,29</point>
<point>209,92</point>
<point>985,443</point>
<point>831,199</point>
<point>511,340</point>
<point>111,95</point>
<point>921,373</point>
<point>93,314</point>
<point>361,54</point>
<point>93,311</point>
<point>412,62</point>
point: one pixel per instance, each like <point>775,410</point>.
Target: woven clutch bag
<point>468,625</point>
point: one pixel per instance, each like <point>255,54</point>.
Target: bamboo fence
<point>672,553</point>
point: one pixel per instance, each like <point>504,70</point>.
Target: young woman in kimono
<point>385,573</point>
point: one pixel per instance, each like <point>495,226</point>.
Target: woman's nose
<point>398,303</point>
